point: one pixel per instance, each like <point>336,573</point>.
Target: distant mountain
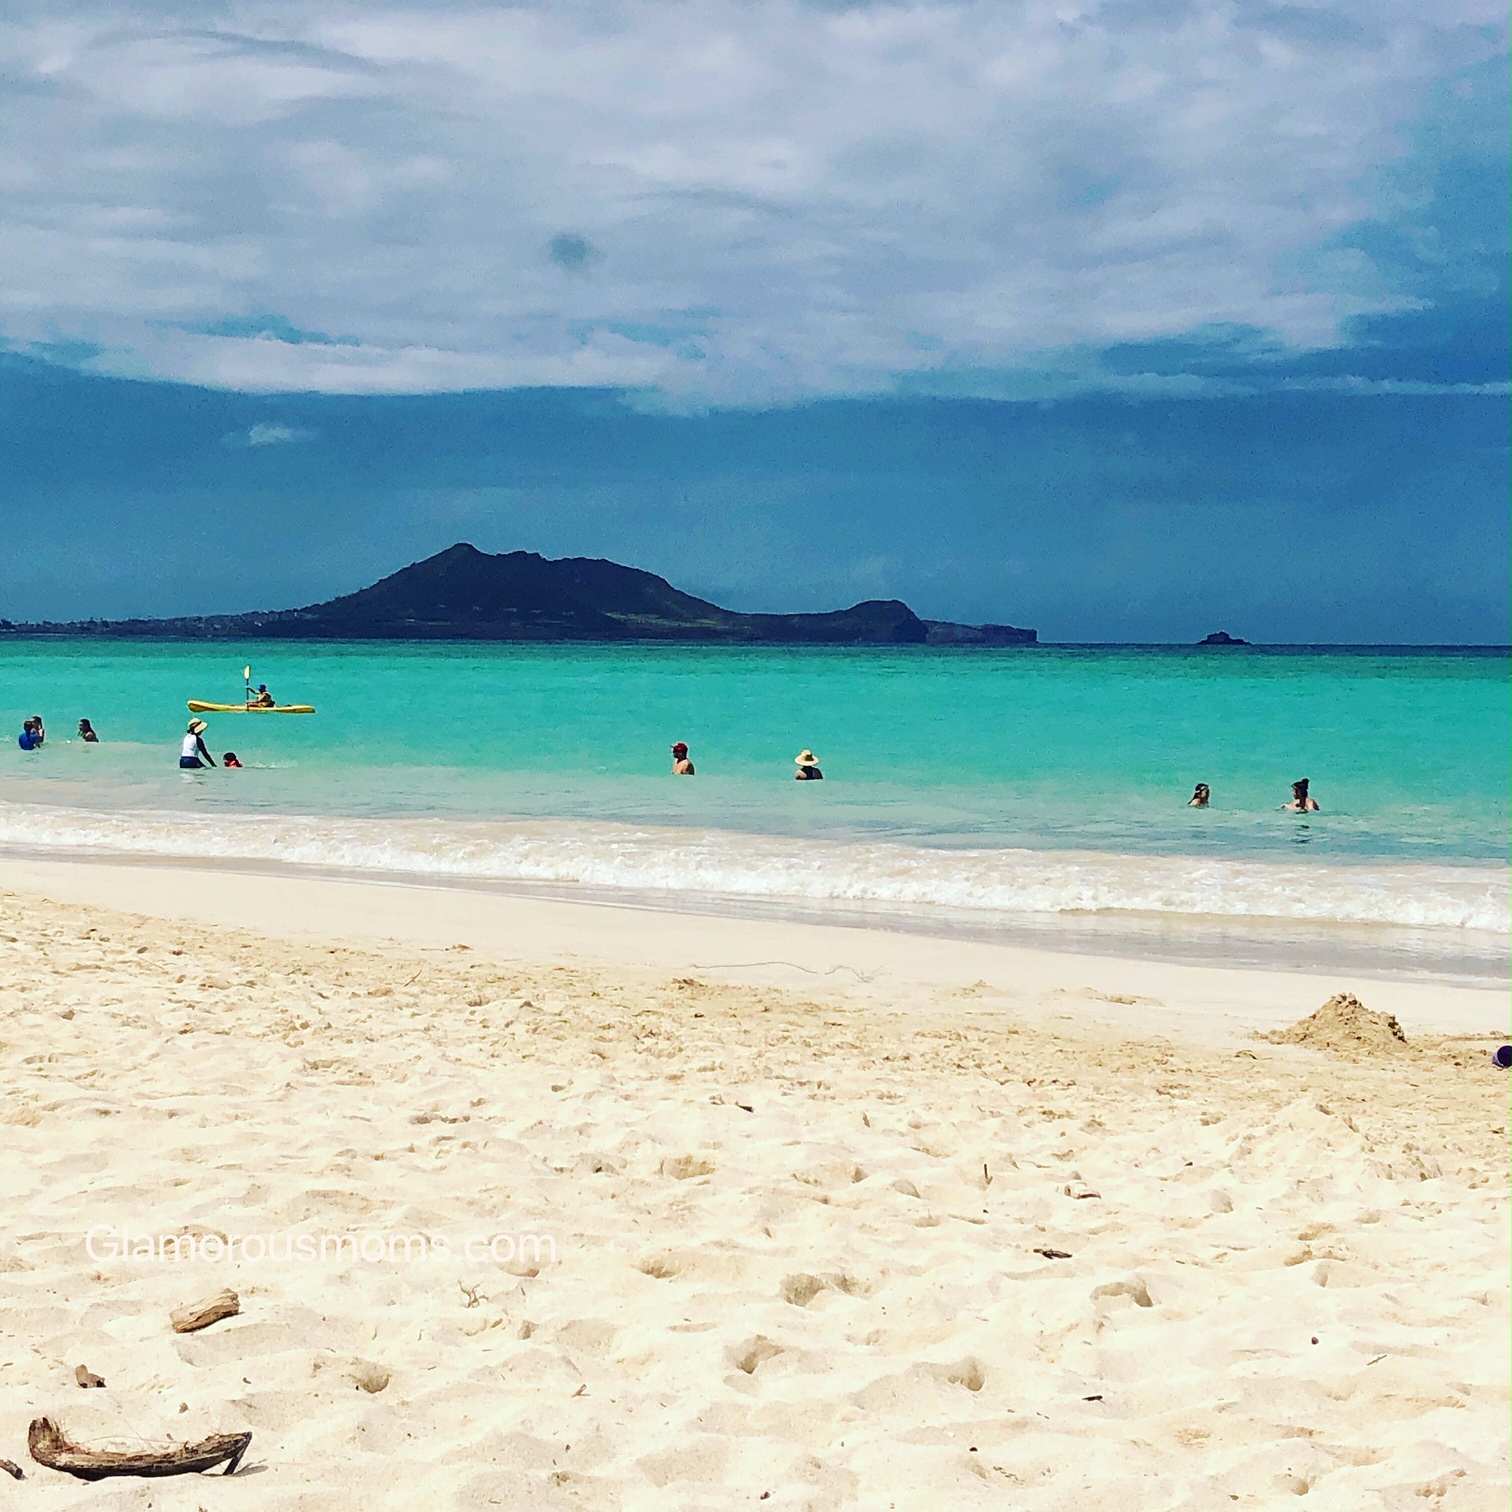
<point>466,594</point>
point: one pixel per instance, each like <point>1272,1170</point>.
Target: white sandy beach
<point>799,1183</point>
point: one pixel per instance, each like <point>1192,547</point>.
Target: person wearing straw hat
<point>681,766</point>
<point>808,767</point>
<point>194,753</point>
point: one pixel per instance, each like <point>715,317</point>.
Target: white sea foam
<point>984,883</point>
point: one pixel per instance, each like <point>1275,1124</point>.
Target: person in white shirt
<point>194,753</point>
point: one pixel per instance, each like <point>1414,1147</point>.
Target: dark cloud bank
<point>1306,515</point>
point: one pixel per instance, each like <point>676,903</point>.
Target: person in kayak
<point>194,753</point>
<point>87,733</point>
<point>681,766</point>
<point>808,767</point>
<point>1200,796</point>
<point>262,699</point>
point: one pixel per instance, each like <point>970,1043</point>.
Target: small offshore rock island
<point>466,594</point>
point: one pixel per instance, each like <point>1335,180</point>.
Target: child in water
<point>229,760</point>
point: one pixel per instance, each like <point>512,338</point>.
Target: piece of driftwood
<point>86,1377</point>
<point>12,1468</point>
<point>197,1315</point>
<point>51,1447</point>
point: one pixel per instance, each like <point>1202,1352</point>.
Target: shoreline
<point>1373,952</point>
<point>1438,921</point>
<point>1205,1001</point>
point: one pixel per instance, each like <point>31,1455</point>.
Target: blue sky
<point>1122,319</point>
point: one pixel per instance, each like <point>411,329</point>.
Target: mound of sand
<point>1345,1023</point>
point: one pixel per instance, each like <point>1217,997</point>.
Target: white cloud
<point>267,433</point>
<point>724,201</point>
<point>274,435</point>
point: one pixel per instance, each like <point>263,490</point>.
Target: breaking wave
<point>983,883</point>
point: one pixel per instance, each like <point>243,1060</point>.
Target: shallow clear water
<point>988,786</point>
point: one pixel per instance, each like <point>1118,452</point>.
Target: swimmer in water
<point>1301,801</point>
<point>87,733</point>
<point>1200,795</point>
<point>681,766</point>
<point>808,767</point>
<point>229,760</point>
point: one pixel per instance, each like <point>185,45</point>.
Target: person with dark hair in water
<point>32,734</point>
<point>87,733</point>
<point>229,761</point>
<point>681,766</point>
<point>1200,795</point>
<point>1301,801</point>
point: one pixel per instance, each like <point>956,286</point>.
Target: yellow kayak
<point>198,706</point>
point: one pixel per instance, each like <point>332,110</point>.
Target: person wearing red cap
<point>681,766</point>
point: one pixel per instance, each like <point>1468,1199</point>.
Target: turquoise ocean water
<point>1014,794</point>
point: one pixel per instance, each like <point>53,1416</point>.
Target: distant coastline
<point>466,594</point>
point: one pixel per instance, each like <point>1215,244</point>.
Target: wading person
<point>1302,802</point>
<point>194,753</point>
